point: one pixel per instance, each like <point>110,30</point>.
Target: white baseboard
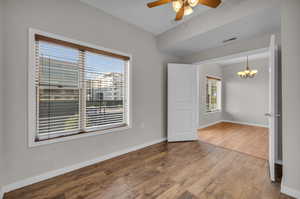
<point>210,124</point>
<point>246,123</point>
<point>51,174</point>
<point>289,191</point>
<point>235,122</point>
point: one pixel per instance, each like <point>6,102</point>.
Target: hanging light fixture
<point>248,73</point>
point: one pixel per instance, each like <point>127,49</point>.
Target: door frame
<point>242,54</point>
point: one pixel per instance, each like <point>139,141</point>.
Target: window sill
<point>212,112</point>
<point>34,143</point>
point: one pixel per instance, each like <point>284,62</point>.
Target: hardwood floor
<point>251,140</point>
<point>187,170</point>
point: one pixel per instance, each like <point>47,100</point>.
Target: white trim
<point>51,174</point>
<point>246,123</point>
<point>289,191</point>
<point>77,136</point>
<point>210,124</point>
<point>212,112</point>
<point>198,98</point>
<point>31,107</point>
<point>235,122</point>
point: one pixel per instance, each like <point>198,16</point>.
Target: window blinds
<point>77,90</point>
<point>105,91</point>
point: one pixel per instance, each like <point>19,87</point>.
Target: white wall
<point>1,97</point>
<point>291,93</point>
<point>204,117</point>
<point>78,21</point>
<point>233,97</point>
<point>246,100</point>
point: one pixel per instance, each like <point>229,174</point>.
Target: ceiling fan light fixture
<point>193,3</point>
<point>177,5</point>
<point>184,7</point>
<point>188,10</point>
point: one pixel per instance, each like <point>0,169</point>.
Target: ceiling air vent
<point>229,40</point>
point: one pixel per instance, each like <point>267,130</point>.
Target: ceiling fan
<point>185,7</point>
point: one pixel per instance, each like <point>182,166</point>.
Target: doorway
<point>184,100</point>
<point>233,110</point>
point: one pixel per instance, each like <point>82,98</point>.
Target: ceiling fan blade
<point>180,14</point>
<point>210,3</point>
<point>158,3</point>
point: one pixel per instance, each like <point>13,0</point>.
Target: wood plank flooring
<point>251,140</point>
<point>187,170</point>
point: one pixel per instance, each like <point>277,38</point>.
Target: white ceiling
<point>263,19</point>
<point>261,23</point>
<point>155,20</point>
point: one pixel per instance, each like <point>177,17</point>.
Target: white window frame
<point>219,93</point>
<point>31,107</point>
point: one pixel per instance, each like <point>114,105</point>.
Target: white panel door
<point>272,106</point>
<point>182,102</point>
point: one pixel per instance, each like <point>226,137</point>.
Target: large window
<point>213,94</point>
<point>78,89</point>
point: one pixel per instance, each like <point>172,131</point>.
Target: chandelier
<point>177,4</point>
<point>248,73</point>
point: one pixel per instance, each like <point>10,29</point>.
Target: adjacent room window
<point>213,94</point>
<point>78,89</point>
